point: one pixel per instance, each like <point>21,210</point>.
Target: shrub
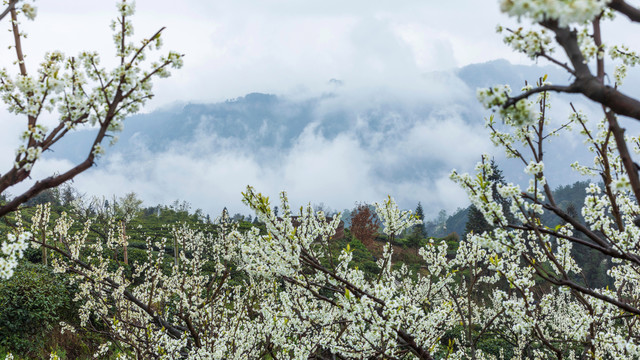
<point>32,303</point>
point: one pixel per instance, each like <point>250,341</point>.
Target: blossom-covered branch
<point>80,92</point>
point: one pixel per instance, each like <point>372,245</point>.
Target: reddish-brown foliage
<point>364,225</point>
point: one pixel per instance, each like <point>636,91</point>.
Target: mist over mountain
<point>341,146</point>
<point>267,121</point>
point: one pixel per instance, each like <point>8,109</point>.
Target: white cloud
<point>277,46</point>
<point>404,154</point>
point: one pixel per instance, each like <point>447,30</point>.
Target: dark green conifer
<point>418,232</point>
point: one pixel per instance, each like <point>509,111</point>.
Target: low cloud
<point>355,144</point>
<point>406,152</point>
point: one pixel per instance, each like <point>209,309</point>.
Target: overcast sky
<point>233,47</point>
<point>291,48</point>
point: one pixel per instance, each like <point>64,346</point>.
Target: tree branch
<point>18,43</point>
<point>568,39</point>
<point>597,39</point>
<point>55,180</point>
<point>621,6</point>
<point>544,88</point>
<point>10,6</point>
<point>629,165</point>
<point>585,83</point>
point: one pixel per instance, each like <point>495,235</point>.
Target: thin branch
<point>576,224</point>
<point>561,64</point>
<point>18,42</point>
<point>629,165</point>
<point>607,251</point>
<point>144,45</point>
<point>587,291</point>
<point>10,6</point>
<point>544,88</point>
<point>20,57</point>
<point>563,126</point>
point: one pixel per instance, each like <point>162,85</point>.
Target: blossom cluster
<point>564,11</point>
<point>496,97</point>
<point>395,221</point>
<point>12,250</point>
<point>80,91</point>
<point>533,43</point>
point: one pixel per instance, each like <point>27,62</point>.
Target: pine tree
<point>418,232</point>
<point>420,215</point>
<point>476,222</point>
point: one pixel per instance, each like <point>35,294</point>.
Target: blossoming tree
<point>601,320</point>
<point>80,92</point>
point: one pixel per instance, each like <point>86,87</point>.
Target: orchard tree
<point>294,298</point>
<point>297,299</point>
<point>80,92</point>
<point>604,323</point>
